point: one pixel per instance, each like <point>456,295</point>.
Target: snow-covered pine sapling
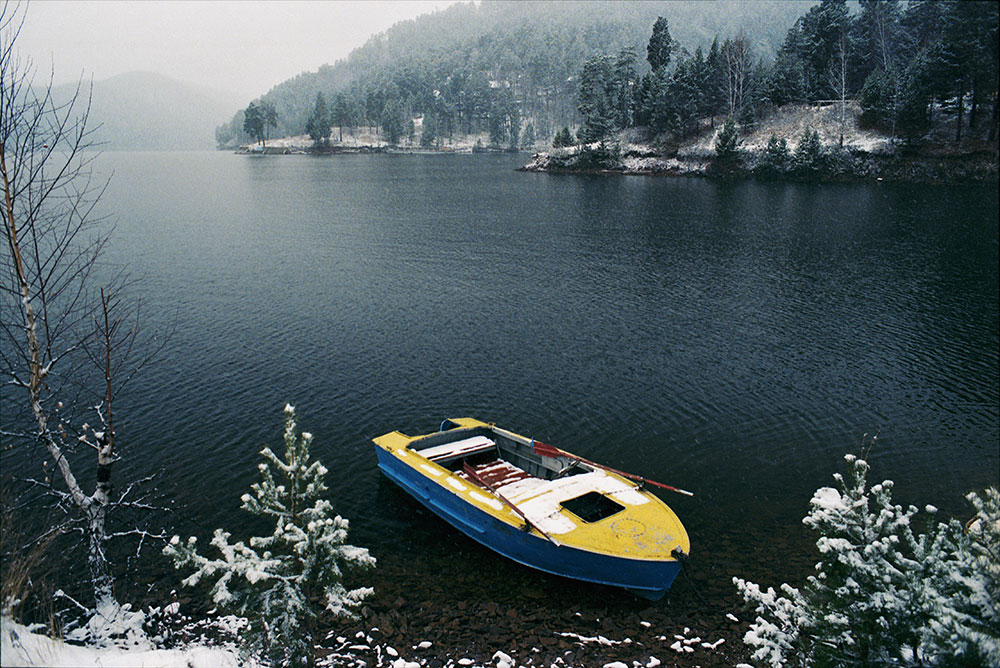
<point>961,609</point>
<point>281,583</point>
<point>883,594</point>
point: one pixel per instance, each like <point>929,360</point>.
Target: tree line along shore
<point>892,90</point>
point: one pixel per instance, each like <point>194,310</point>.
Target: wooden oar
<point>469,471</point>
<point>547,450</point>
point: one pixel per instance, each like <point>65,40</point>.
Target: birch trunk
<point>94,508</point>
<point>47,200</point>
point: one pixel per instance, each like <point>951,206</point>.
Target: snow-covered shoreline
<point>24,646</point>
<point>862,155</point>
<point>367,140</point>
<point>21,645</point>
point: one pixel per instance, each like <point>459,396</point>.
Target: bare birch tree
<point>66,331</point>
<point>838,78</point>
<point>737,60</point>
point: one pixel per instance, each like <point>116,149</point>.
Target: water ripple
<point>734,339</point>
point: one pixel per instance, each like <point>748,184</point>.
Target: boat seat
<point>457,449</point>
<point>495,473</point>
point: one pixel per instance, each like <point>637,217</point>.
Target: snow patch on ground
<point>19,646</point>
<point>367,137</point>
<point>23,647</point>
<point>793,120</point>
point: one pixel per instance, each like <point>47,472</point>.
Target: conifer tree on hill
<point>392,121</point>
<point>563,139</point>
<point>428,132</point>
<point>727,142</point>
<point>597,98</point>
<point>624,83</point>
<point>877,33</point>
<point>318,125</point>
<point>270,118</point>
<point>660,46</point>
<point>528,136</point>
<point>253,122</point>
<point>341,114</point>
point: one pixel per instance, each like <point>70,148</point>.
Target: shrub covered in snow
<point>282,582</point>
<point>727,151</point>
<point>776,159</point>
<point>882,593</point>
<point>810,155</point>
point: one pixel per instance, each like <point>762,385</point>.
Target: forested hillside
<point>904,62</point>
<point>508,68</point>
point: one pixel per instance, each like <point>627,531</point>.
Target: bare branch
<point>163,535</point>
<point>61,594</point>
<point>57,325</point>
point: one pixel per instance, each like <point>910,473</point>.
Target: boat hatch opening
<point>592,507</point>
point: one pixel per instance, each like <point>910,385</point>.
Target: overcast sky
<point>243,47</point>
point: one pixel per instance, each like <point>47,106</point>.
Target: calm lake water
<point>732,339</point>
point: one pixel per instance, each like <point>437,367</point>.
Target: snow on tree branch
<point>883,594</point>
<point>275,580</point>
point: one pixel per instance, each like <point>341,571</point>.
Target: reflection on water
<point>734,339</point>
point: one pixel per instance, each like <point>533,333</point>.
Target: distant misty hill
<point>149,111</point>
<point>471,63</point>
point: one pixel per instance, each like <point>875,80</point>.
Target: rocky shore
<point>281,149</point>
<point>846,165</point>
<point>589,627</point>
<point>494,612</point>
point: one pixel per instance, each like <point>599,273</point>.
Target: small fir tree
<point>563,139</point>
<point>281,583</point>
<point>776,158</point>
<point>727,152</point>
<point>528,136</point>
<point>882,594</point>
<point>392,122</point>
<point>809,156</point>
<point>318,125</point>
<point>428,131</point>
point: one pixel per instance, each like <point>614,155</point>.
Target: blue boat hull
<point>646,578</point>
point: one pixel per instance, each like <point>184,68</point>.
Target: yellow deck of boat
<point>645,529</point>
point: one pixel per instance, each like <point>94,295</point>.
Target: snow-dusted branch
<point>60,325</point>
<point>884,594</point>
<point>277,579</point>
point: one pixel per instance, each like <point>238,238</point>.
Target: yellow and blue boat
<point>541,506</point>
